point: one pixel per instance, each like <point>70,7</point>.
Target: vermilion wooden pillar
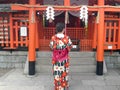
<point>100,43</point>
<point>94,36</point>
<point>66,2</point>
<point>119,36</point>
<point>32,31</point>
<point>37,35</point>
<point>11,32</point>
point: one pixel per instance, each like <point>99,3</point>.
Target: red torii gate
<point>32,7</point>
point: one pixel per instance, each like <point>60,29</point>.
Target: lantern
<point>50,13</point>
<point>84,14</point>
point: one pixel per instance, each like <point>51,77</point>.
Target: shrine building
<point>93,25</point>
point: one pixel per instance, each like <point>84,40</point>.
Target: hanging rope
<point>98,17</point>
<point>66,17</point>
<point>33,16</point>
<point>66,20</point>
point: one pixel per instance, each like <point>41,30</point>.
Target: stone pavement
<point>3,71</point>
<point>16,80</point>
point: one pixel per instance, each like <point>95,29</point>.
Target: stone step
<point>89,74</point>
<point>73,69</point>
<point>72,54</point>
<point>41,54</point>
<point>83,69</point>
<point>80,62</point>
<point>82,54</point>
<point>73,61</point>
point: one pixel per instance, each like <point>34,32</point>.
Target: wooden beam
<point>111,9</point>
<point>64,8</point>
<point>18,7</point>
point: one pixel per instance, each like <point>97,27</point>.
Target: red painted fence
<point>10,37</point>
<point>112,34</point>
<point>10,30</point>
<point>74,33</point>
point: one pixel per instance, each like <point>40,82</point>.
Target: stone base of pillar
<point>99,68</point>
<point>31,67</point>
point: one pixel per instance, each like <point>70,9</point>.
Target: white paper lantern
<point>50,13</point>
<point>84,14</point>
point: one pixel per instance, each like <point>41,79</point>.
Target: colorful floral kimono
<point>60,44</point>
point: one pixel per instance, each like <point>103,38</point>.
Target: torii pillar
<point>66,2</point>
<point>100,40</point>
<point>32,30</point>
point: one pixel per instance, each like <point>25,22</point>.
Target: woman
<point>61,45</point>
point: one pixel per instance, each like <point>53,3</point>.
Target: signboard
<point>74,46</point>
<point>110,47</point>
<point>23,31</point>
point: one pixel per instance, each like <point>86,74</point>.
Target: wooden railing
<point>112,32</point>
<point>75,35</point>
<point>10,37</point>
<point>18,39</point>
<point>86,45</point>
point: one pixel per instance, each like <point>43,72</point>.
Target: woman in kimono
<point>61,45</point>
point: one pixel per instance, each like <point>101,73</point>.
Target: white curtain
<point>77,3</point>
<point>54,2</point>
<point>61,2</point>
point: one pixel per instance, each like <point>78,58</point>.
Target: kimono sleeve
<point>52,41</point>
<point>69,45</point>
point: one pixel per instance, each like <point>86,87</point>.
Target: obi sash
<point>60,54</point>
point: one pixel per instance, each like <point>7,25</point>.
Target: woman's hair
<point>60,27</point>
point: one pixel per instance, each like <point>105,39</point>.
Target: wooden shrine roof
<point>91,2</point>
